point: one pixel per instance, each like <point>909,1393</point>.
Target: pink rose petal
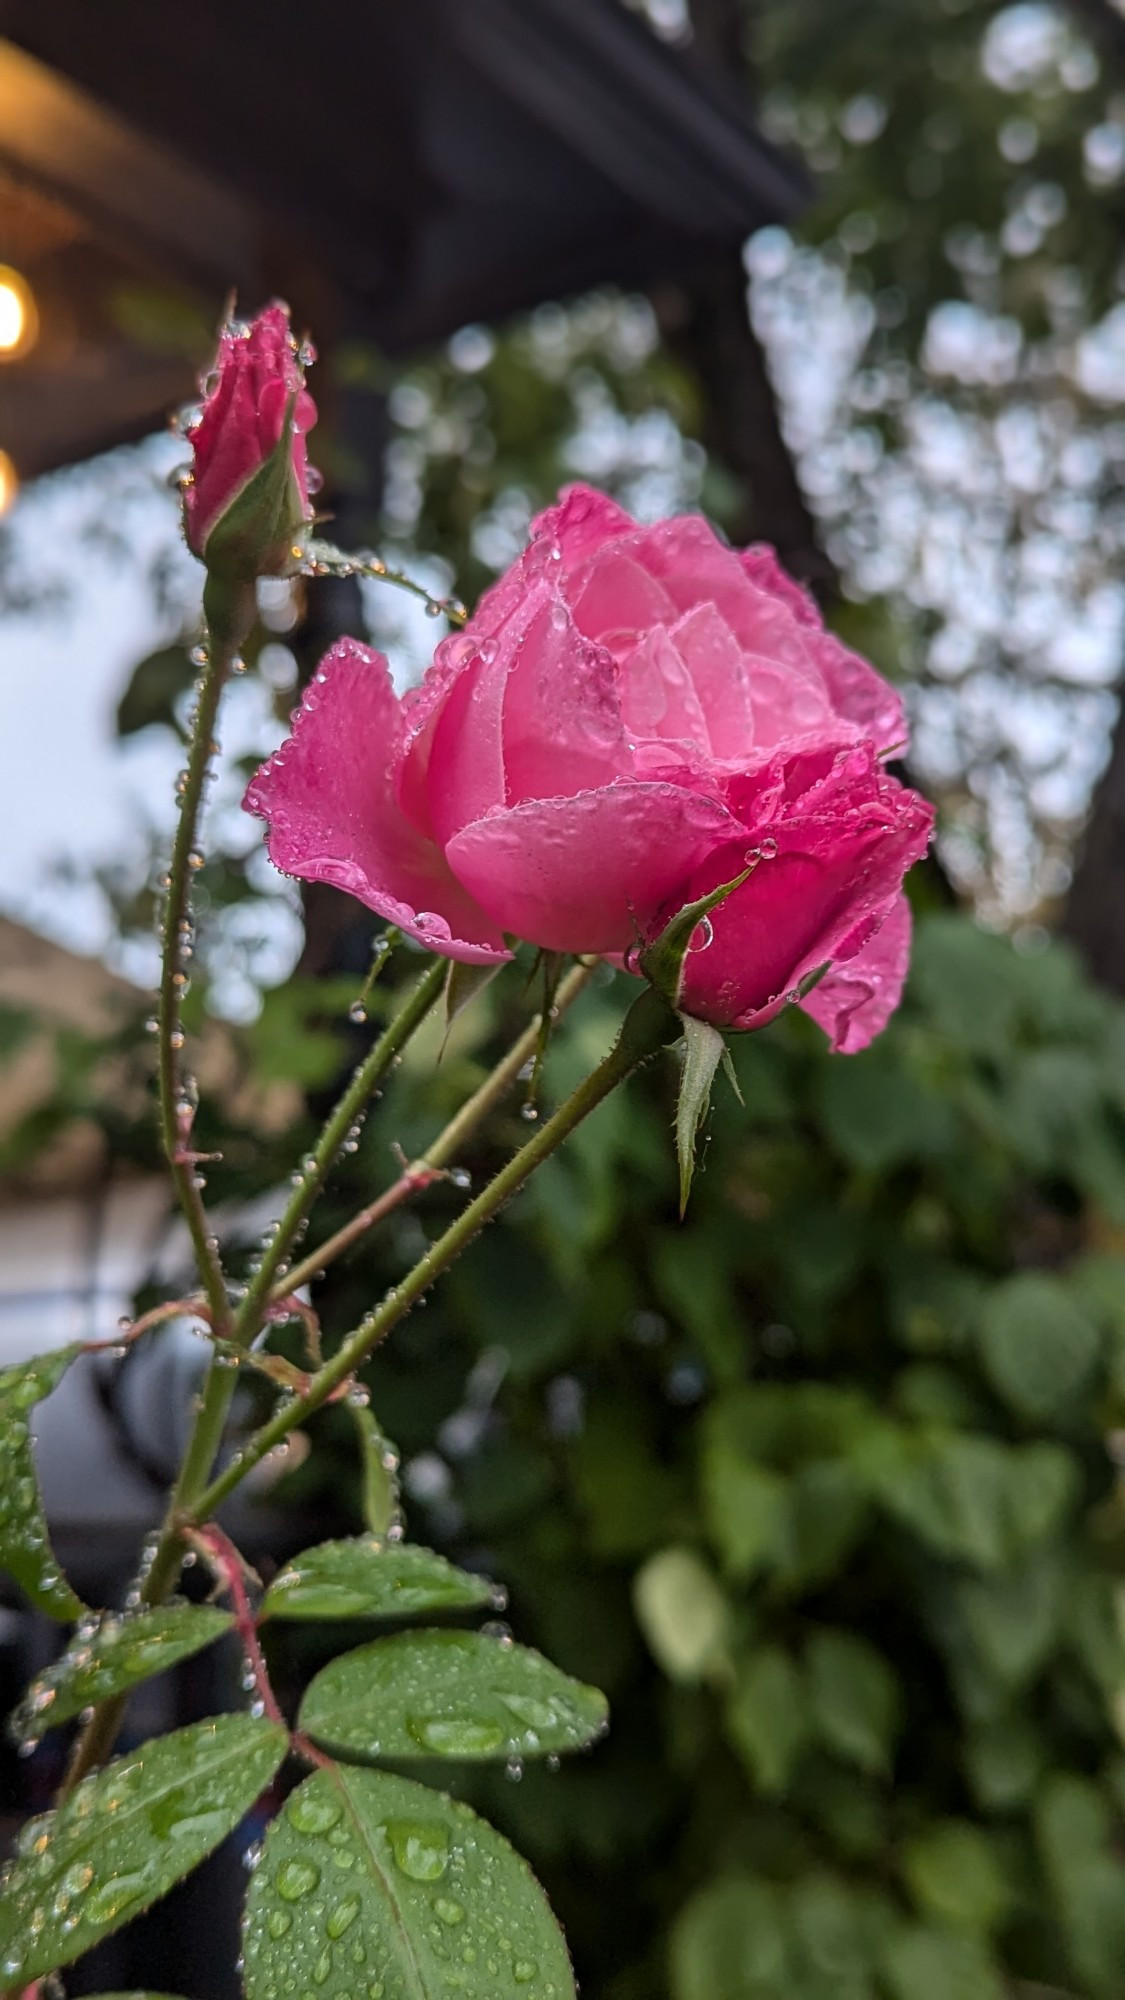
<point>328,797</point>
<point>854,1002</point>
<point>587,874</point>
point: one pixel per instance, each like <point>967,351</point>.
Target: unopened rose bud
<point>248,494</point>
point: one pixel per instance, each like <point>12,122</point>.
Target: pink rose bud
<point>248,492</point>
<point>633,717</point>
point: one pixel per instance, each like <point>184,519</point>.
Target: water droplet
<point>448,1911</point>
<point>456,1735</point>
<point>278,1922</point>
<point>524,1971</point>
<point>526,1709</point>
<point>106,1902</point>
<point>296,1879</point>
<point>342,1917</point>
<point>312,1813</point>
<point>420,1848</point>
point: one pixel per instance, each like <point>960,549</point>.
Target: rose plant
<point>643,747</point>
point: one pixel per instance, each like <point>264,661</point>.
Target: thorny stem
<point>219,1551</point>
<point>229,619</point>
<point>429,1166</point>
<point>365,1081</point>
<point>648,1025</point>
<point>96,1740</point>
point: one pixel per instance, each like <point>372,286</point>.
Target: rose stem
<point>364,1082</point>
<point>648,1025</point>
<point>420,1173</point>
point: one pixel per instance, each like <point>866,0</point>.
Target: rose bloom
<point>632,717</point>
<point>256,372</point>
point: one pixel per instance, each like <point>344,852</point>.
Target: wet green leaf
<point>371,1578</point>
<point>126,1835</point>
<point>25,1552</point>
<point>109,1656</point>
<point>449,1694</point>
<point>371,1886</point>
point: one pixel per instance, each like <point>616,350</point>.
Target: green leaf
<point>372,1885</point>
<point>126,1835</point>
<point>109,1656</point>
<point>25,1552</point>
<point>683,1615</point>
<point>1004,1760</point>
<point>151,695</point>
<point>1013,1618</point>
<point>745,1505</point>
<point>854,1698</point>
<point>1076,1834</point>
<point>729,1943</point>
<point>449,1694</point>
<point>954,1875</point>
<point>703,1051</point>
<point>380,1461</point>
<point>933,1964</point>
<point>1038,1342</point>
<point>767,1718</point>
<point>371,1578</point>
<point>968,1496</point>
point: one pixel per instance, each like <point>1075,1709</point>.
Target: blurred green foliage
<point>821,1486</point>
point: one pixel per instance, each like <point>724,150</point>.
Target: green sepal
<point>254,534</point>
<point>704,1049</point>
<point>662,962</point>
<point>25,1552</point>
<point>379,1460</point>
<point>813,978</point>
<point>731,1075</point>
<point>462,985</point>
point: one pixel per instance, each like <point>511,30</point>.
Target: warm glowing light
<point>9,482</point>
<point>19,321</point>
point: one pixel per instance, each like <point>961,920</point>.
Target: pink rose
<point>631,717</point>
<point>256,376</point>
